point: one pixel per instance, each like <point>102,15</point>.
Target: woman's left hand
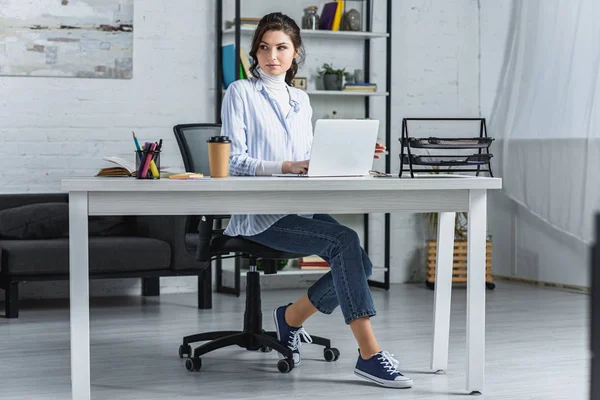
<point>379,148</point>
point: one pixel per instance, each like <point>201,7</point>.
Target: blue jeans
<point>346,283</point>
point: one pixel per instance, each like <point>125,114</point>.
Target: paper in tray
<point>449,143</point>
<point>447,160</point>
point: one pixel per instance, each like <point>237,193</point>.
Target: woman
<point>269,123</point>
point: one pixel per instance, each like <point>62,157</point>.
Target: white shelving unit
<point>331,36</point>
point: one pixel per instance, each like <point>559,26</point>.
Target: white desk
<point>267,195</point>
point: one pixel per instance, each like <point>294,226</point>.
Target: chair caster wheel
<point>490,285</point>
<point>285,365</point>
<point>331,354</point>
<point>265,349</point>
<point>185,351</point>
<point>193,364</point>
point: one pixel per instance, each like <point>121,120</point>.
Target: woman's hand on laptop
<point>295,167</point>
<point>379,148</point>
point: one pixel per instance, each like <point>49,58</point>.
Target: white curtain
<point>547,112</point>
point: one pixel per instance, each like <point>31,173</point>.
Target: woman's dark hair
<point>278,22</point>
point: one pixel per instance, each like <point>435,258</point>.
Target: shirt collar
<point>294,97</point>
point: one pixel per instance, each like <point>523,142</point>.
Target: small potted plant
<point>332,78</point>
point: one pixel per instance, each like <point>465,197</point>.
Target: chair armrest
<point>205,235</point>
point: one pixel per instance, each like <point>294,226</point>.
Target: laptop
<point>341,147</point>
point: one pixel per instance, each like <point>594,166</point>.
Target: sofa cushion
<point>51,220</point>
<point>107,254</point>
<point>35,221</point>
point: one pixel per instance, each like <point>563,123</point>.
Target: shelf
<point>344,93</point>
<point>341,93</point>
<point>320,34</point>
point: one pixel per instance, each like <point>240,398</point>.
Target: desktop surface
<point>268,183</point>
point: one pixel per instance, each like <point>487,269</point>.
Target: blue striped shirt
<point>259,131</point>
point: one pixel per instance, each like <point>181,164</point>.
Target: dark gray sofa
<point>35,246</point>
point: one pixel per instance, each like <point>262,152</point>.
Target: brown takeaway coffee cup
<point>218,156</point>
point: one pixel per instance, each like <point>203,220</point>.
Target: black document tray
<point>447,160</point>
<point>449,143</point>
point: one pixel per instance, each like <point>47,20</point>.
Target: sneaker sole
<point>405,384</point>
<point>279,337</point>
<point>276,324</point>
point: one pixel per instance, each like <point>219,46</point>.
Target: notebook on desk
<point>341,147</point>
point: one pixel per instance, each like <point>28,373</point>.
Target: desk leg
<point>443,291</point>
<point>79,295</point>
<point>476,236</point>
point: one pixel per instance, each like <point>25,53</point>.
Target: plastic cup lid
<point>219,139</point>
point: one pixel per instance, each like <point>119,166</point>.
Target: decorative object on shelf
<point>310,20</point>
<point>356,14</point>
<point>349,78</point>
<point>332,78</point>
<point>58,39</point>
<point>359,76</point>
<point>352,20</point>
<point>299,82</point>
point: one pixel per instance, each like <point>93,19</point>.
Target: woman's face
<point>275,53</point>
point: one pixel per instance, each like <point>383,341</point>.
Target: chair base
<point>252,337</point>
<point>263,341</point>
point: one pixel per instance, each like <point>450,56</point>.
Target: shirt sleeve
<point>309,129</point>
<point>269,167</point>
<point>234,126</point>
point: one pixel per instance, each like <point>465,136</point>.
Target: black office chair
<point>191,139</point>
<point>213,245</point>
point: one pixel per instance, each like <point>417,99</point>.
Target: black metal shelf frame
<point>367,69</point>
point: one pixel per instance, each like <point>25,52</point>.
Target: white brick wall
<point>51,128</point>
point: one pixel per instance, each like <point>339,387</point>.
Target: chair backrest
<point>191,139</point>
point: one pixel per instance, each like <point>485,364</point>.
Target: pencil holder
<point>147,164</point>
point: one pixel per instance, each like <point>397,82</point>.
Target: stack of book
<point>331,16</point>
<point>313,262</point>
<point>247,22</point>
<point>360,87</point>
<point>228,61</point>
